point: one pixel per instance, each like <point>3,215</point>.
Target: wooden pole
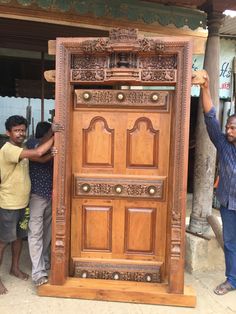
<point>205,154</point>
<point>42,86</point>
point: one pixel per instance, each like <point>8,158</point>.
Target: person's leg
<point>3,289</point>
<point>8,222</point>
<point>35,237</point>
<point>47,234</point>
<point>229,237</point>
<point>16,252</point>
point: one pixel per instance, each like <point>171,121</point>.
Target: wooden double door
<point>120,174</point>
<point>120,166</point>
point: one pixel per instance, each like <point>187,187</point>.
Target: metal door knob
<point>85,187</point>
<point>118,189</point>
<point>120,96</point>
<point>155,97</point>
<point>151,190</point>
<point>86,95</point>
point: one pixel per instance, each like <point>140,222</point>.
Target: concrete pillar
<point>205,153</point>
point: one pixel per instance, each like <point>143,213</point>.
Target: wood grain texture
<point>110,290</point>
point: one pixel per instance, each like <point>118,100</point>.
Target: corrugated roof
<point>228,27</point>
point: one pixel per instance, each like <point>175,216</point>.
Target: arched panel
<point>142,144</point>
<point>98,144</point>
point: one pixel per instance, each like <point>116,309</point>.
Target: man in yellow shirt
<point>15,189</point>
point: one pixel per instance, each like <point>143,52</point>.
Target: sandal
<point>223,288</point>
<point>41,281</point>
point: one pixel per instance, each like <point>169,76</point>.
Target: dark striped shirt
<point>226,191</point>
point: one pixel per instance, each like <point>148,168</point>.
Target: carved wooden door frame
<point>182,48</point>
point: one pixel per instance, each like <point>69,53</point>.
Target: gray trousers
<point>39,235</point>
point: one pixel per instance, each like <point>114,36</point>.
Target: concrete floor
<point>22,297</point>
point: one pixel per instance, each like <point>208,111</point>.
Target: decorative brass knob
<point>148,278</point>
<point>155,97</point>
<point>120,96</point>
<point>152,190</point>
<point>116,276</point>
<point>118,189</point>
<point>86,95</point>
<point>85,187</point>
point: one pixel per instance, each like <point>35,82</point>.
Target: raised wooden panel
<point>140,230</point>
<point>98,144</point>
<point>120,187</point>
<point>142,144</point>
<point>117,270</point>
<point>97,228</point>
<point>123,99</point>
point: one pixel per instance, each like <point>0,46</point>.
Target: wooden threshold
<point>110,290</point>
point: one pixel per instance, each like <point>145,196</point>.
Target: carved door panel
<point>120,149</point>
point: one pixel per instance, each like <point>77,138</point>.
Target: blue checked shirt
<point>226,191</point>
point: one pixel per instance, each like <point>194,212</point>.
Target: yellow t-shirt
<point>15,181</point>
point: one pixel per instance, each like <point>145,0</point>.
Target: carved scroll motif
<point>124,272</point>
<point>88,75</point>
<point>88,62</point>
<point>120,188</point>
<point>158,62</point>
<point>95,46</point>
<point>158,75</point>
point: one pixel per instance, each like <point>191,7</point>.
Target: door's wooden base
<point>109,290</point>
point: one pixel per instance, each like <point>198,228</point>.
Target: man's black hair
<point>15,121</point>
<point>232,116</point>
<point>42,128</point>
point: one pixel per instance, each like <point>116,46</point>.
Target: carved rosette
<point>124,272</point>
<point>120,188</point>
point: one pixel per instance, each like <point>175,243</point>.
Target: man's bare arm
<point>56,127</point>
<point>43,159</point>
<point>38,151</point>
<point>47,157</point>
<point>203,82</point>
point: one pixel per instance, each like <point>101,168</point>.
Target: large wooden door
<point>120,175</point>
<point>120,166</point>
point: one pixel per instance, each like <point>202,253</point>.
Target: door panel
<point>140,230</point>
<point>97,228</point>
<point>119,205</point>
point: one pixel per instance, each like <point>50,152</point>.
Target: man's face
<point>17,134</point>
<point>230,130</point>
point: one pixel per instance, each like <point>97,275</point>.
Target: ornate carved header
<point>124,57</point>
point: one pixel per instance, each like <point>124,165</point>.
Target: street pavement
<point>22,297</point>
